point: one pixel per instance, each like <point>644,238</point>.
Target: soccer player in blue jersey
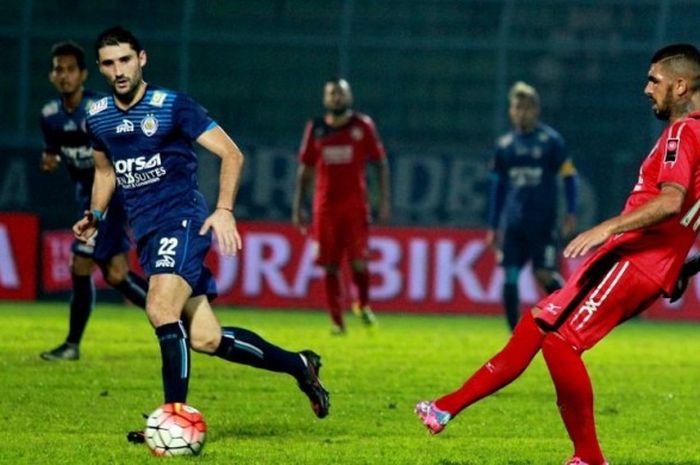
<point>142,137</point>
<point>66,141</point>
<point>524,201</point>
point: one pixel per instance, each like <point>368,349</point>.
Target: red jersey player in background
<point>642,253</point>
<point>335,149</point>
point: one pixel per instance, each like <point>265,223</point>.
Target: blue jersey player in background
<point>524,200</point>
<point>66,141</point>
<point>142,137</point>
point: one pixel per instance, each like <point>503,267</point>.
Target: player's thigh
<point>203,325</point>
<point>543,249</point>
<point>166,298</point>
<point>514,250</point>
<point>81,265</point>
<point>327,231</point>
<point>355,235</point>
<point>610,299</point>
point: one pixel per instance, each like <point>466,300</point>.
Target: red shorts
<point>604,292</point>
<point>342,234</point>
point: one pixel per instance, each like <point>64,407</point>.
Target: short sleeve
<point>95,142</point>
<point>190,117</point>
<point>308,155</point>
<point>51,145</point>
<point>680,156</point>
<point>375,147</point>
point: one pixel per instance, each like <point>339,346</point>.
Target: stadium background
<point>433,74</point>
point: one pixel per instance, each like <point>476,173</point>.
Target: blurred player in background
<point>523,208</point>
<point>642,253</point>
<point>335,149</point>
<point>66,141</point>
<point>142,138</point>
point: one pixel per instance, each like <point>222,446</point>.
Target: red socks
<point>333,298</point>
<point>574,397</point>
<point>361,280</point>
<point>500,371</point>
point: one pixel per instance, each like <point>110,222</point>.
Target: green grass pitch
<point>646,378</point>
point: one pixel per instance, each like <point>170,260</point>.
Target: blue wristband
<point>97,214</point>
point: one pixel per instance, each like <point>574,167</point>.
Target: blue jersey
<point>150,146</point>
<point>65,134</point>
<point>526,169</point>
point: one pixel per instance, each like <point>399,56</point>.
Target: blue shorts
<point>521,245</point>
<point>112,236</point>
<point>177,248</point>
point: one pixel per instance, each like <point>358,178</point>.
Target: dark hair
<point>115,36</point>
<point>677,52</point>
<point>68,48</point>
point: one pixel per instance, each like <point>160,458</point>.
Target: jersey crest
<point>98,106</point>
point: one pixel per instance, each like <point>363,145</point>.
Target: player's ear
<point>143,58</point>
<point>681,86</point>
<point>83,75</point>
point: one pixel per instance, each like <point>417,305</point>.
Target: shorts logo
<point>149,125</point>
<point>125,126</point>
<point>166,252</point>
<point>671,150</point>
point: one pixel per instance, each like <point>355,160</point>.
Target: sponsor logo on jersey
<point>158,98</point>
<point>149,125</point>
<point>337,154</point>
<point>671,150</point>
<point>80,157</point>
<point>98,106</point>
<point>138,171</point>
<point>125,126</point>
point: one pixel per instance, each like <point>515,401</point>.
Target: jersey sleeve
<point>51,144</point>
<point>308,155</point>
<point>190,117</point>
<point>680,156</point>
<point>95,142</point>
<point>374,146</point>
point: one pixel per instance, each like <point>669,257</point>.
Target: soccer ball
<point>175,429</point>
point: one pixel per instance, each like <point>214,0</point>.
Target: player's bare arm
<point>102,191</point>
<point>222,220</point>
<point>661,207</point>
<point>49,162</point>
<point>305,176</point>
<point>384,198</point>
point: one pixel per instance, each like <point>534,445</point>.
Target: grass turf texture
<point>646,377</point>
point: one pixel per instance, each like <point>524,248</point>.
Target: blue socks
<point>81,303</point>
<point>175,353</point>
<point>240,345</point>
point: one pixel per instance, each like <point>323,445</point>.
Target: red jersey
<point>340,156</point>
<point>660,250</point>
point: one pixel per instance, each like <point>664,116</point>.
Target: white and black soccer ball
<point>175,429</point>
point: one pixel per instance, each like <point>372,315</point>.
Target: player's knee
<point>205,341</point>
<point>114,275</point>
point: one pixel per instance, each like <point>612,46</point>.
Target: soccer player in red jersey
<point>335,149</point>
<point>640,259</point>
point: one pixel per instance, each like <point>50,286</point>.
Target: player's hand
<point>85,227</point>
<point>224,225</point>
<point>568,226</point>
<point>49,162</point>
<point>300,220</point>
<point>492,239</point>
<point>587,240</point>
